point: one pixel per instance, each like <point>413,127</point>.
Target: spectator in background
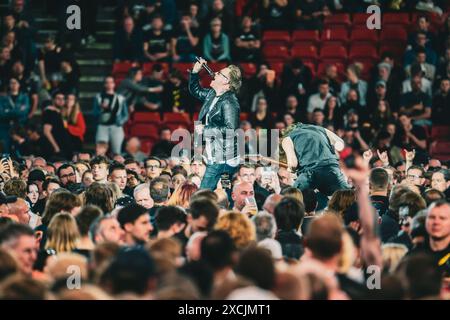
<point>296,79</point>
<point>134,90</point>
<point>262,117</point>
<point>5,67</point>
<point>420,43</point>
<point>309,14</point>
<point>50,57</point>
<point>441,104</point>
<point>247,42</point>
<point>318,100</point>
<point>216,45</point>
<point>27,85</point>
<point>70,77</point>
<point>157,42</point>
<point>152,100</point>
<point>176,97</point>
<point>423,26</point>
<point>127,42</point>
<point>218,10</point>
<point>54,129</point>
<point>428,70</point>
<point>184,40</point>
<point>74,121</point>
<point>354,82</point>
<point>135,221</point>
<point>14,109</point>
<point>133,149</point>
<point>111,111</point>
<point>163,148</point>
<point>276,14</point>
<point>416,103</point>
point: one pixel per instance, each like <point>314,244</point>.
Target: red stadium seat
<point>276,52</point>
<point>333,52</point>
<point>217,66</point>
<point>440,133</point>
<point>121,68</point>
<point>397,49</point>
<point>175,126</point>
<point>144,131</point>
<point>363,51</point>
<point>244,116</point>
<point>393,34</point>
<point>440,150</point>
<point>175,118</point>
<point>248,69</point>
<point>195,116</point>
<point>338,35</point>
<point>396,19</point>
<point>147,145</point>
<point>147,67</point>
<point>276,37</point>
<point>182,67</point>
<point>305,36</point>
<point>147,117</point>
<point>360,19</point>
<point>311,65</point>
<point>277,66</point>
<point>341,19</point>
<point>304,52</point>
<point>363,35</point>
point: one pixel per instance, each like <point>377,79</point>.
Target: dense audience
<point>136,224</point>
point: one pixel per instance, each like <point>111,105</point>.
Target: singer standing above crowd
<point>219,118</point>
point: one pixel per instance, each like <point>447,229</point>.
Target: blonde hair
<point>63,233</point>
<point>392,255</point>
<point>239,227</point>
<point>235,78</point>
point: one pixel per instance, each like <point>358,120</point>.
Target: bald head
<point>241,191</point>
<point>20,209</point>
<point>271,202</point>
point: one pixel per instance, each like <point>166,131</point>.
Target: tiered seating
<point>440,145</point>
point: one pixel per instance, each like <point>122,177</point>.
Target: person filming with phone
<point>219,117</point>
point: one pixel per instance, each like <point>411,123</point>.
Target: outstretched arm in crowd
<point>370,242</point>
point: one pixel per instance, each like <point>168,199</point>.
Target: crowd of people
<point>138,226</point>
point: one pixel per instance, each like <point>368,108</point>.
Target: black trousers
<point>327,179</point>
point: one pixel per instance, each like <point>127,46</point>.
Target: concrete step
<point>105,36</point>
<point>51,23</point>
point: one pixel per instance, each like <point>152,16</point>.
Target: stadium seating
<point>276,38</point>
<point>305,52</point>
<point>333,52</point>
<point>363,35</point>
<point>305,36</point>
<point>340,19</point>
<point>397,19</point>
<point>248,69</point>
<point>276,52</point>
<point>335,35</point>
<point>147,117</point>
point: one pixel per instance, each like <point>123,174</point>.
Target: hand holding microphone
<point>201,63</point>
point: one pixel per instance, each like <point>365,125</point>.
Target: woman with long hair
<point>332,112</point>
<point>381,116</point>
<point>63,234</point>
<point>182,195</point>
<point>74,122</point>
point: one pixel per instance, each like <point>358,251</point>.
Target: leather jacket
<point>223,121</point>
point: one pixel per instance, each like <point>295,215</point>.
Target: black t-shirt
<point>216,47</point>
<point>183,44</point>
<point>52,59</point>
<point>157,43</point>
<point>442,257</point>
<point>108,115</point>
<point>410,99</point>
<point>400,138</point>
<point>380,203</point>
<point>248,54</point>
<point>59,132</point>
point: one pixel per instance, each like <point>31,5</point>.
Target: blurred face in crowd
<point>262,105</point>
<point>216,26</point>
<point>421,40</point>
<point>285,177</point>
<point>423,24</point>
<point>288,119</point>
<point>291,102</point>
<point>157,24</point>
<point>438,222</point>
<point>324,89</point>
<point>14,86</point>
<point>81,168</point>
<point>177,180</point>
<point>109,231</point>
<point>67,176</point>
<point>24,250</point>
<point>143,198</point>
<point>140,230</point>
<point>9,22</point>
<point>33,193</point>
<point>51,188</point>
<point>318,117</point>
<point>133,167</point>
<point>39,163</point>
<point>247,22</point>
<point>109,84</point>
<point>119,177</point>
<point>198,168</point>
<point>132,181</point>
<point>421,57</point>
<point>247,175</point>
<point>382,108</point>
<point>445,86</point>
<point>59,101</point>
<point>153,168</point>
<point>5,54</point>
<point>331,72</point>
<point>128,25</point>
<point>416,83</point>
<point>241,192</point>
<point>133,146</point>
<point>100,172</point>
<point>88,179</point>
<point>415,177</point>
<point>20,209</point>
<point>165,135</point>
<point>438,182</point>
<point>404,120</point>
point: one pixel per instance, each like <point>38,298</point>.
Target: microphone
<point>205,66</point>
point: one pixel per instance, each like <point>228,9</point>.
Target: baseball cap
<point>4,199</point>
<point>381,83</point>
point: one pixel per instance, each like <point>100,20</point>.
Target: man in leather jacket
<point>219,116</point>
